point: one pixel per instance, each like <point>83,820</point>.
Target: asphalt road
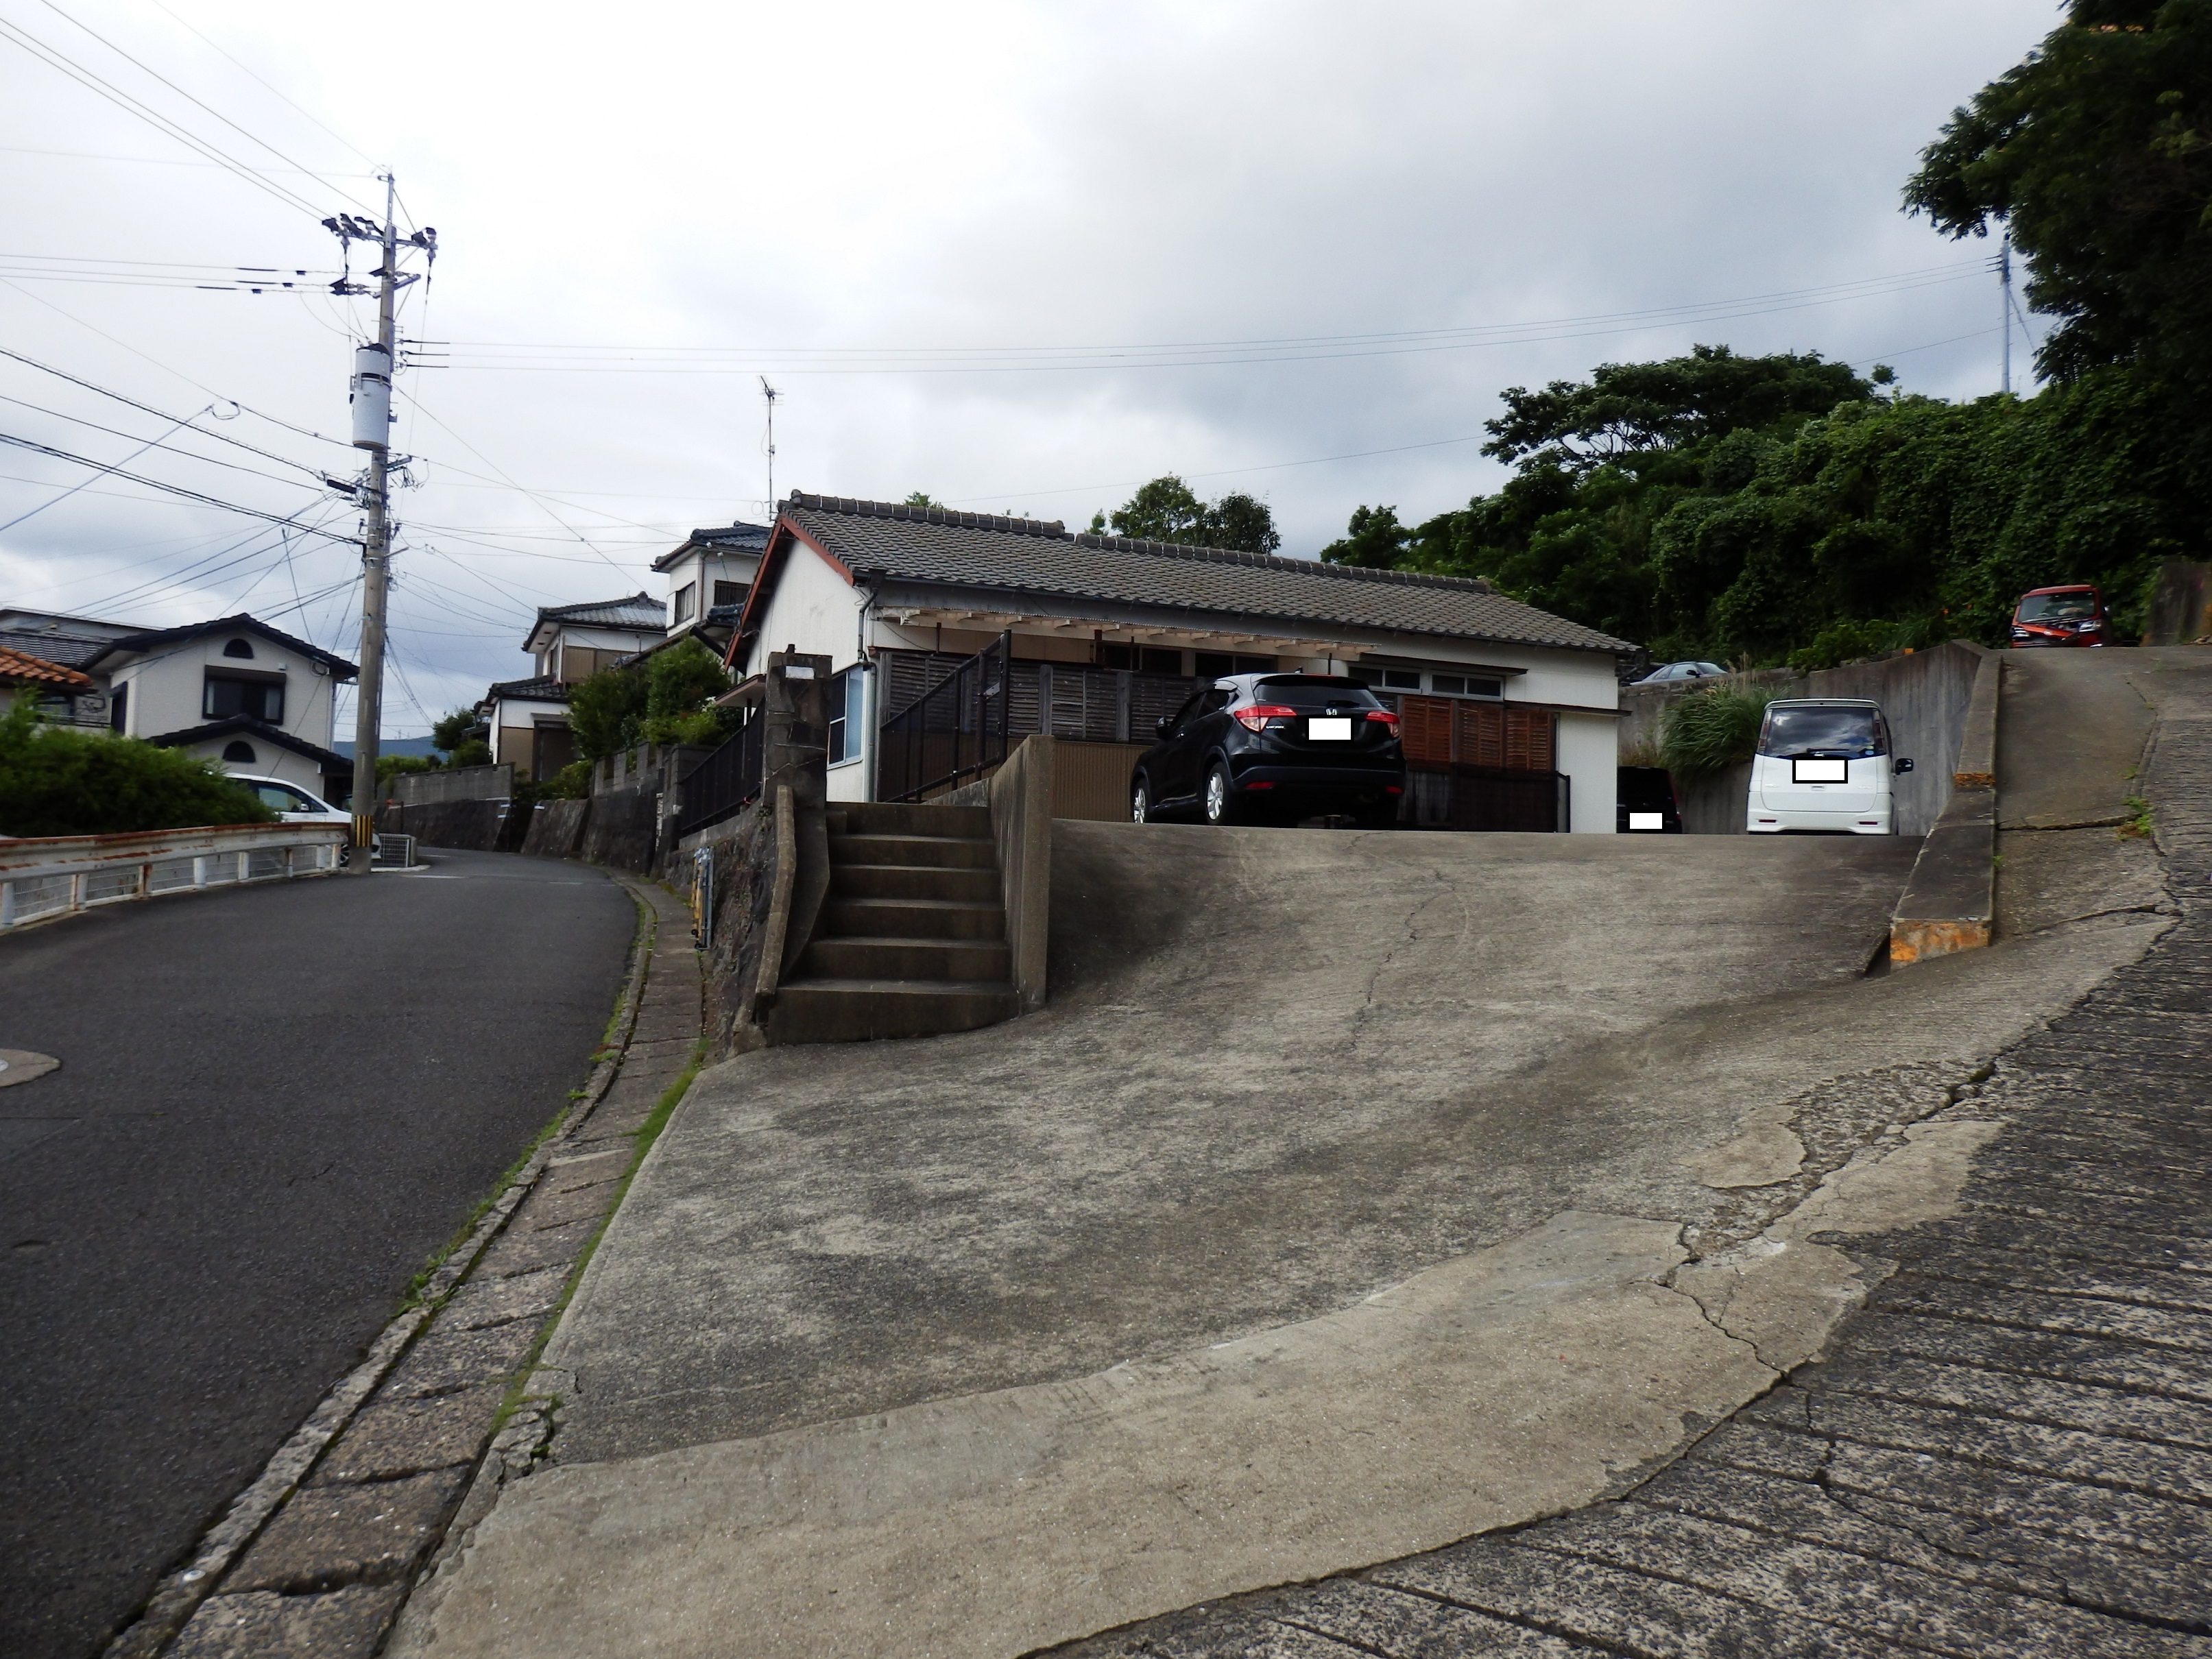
<point>273,1105</point>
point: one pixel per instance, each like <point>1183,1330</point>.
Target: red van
<point>2072,615</point>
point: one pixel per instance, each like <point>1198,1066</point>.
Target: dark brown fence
<point>728,780</point>
<point>955,730</point>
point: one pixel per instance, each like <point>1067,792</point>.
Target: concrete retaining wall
<point>1924,694</point>
<point>479,826</point>
<point>458,783</point>
<point>556,830</point>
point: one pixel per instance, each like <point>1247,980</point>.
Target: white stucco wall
<point>270,761</point>
<point>1589,754</point>
<point>165,685</point>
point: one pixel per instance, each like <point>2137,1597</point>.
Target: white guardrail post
<point>46,876</point>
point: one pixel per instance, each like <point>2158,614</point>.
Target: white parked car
<point>1823,764</point>
<point>293,804</point>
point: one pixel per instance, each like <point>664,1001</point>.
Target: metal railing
<point>956,729</point>
<point>46,876</point>
<point>728,780</point>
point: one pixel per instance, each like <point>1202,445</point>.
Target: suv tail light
<point>1386,717</point>
<point>1255,717</point>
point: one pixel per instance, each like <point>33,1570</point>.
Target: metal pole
<point>375,560</point>
<point>2004,286</point>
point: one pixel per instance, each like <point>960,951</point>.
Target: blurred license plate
<point>1333,730</point>
<point>1647,821</point>
<point>1819,771</point>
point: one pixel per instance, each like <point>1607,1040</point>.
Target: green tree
<point>2096,152</point>
<point>680,682</point>
<point>922,498</point>
<point>607,712</point>
<point>1168,510</point>
<point>1374,538</point>
<point>60,780</point>
<point>450,732</point>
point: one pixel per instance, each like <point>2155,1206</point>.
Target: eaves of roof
<point>21,667</point>
<point>247,725</point>
<point>339,667</point>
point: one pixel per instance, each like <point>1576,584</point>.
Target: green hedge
<point>60,780</point>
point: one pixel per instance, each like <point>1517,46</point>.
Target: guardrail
<point>46,876</point>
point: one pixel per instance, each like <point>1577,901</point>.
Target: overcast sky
<point>1021,256</point>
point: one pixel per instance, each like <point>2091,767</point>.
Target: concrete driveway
<point>1355,1193</point>
<point>274,1104</point>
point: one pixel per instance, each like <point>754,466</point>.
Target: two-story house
<point>709,576</point>
<point>526,721</point>
<point>251,697</point>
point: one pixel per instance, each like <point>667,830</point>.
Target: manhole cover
<point>21,1065</point>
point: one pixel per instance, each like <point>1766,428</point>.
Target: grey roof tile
<point>638,610</point>
<point>932,544</point>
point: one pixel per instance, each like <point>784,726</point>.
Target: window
<point>1156,659</point>
<point>1213,665</point>
<point>226,694</point>
<point>118,700</point>
<point>1403,679</point>
<point>1805,730</point>
<point>238,648</point>
<point>1461,685</point>
<point>283,797</point>
<point>847,716</point>
<point>687,597</point>
<point>241,754</point>
<point>729,594</point>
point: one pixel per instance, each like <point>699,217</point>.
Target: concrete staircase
<point>912,938</point>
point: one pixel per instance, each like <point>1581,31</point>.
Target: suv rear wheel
<point>1220,803</point>
<point>1140,801</point>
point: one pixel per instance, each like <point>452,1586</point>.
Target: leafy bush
<point>1711,729</point>
<point>389,767</point>
<point>572,782</point>
<point>471,752</point>
<point>667,701</point>
<point>606,711</point>
<point>59,781</point>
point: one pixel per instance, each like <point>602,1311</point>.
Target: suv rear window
<point>1314,692</point>
<point>1830,731</point>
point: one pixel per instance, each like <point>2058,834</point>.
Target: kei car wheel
<point>1220,804</point>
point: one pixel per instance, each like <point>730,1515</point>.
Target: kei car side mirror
<point>1164,725</point>
<point>1901,766</point>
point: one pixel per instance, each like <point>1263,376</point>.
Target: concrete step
<point>861,1010</point>
<point>917,881</point>
<point>902,818</point>
<point>941,851</point>
<point>844,917</point>
<point>936,959</point>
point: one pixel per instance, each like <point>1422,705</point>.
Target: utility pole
<point>771,394</point>
<point>372,431</point>
<point>2004,283</point>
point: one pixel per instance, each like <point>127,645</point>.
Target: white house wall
<point>269,761</point>
<point>165,686</point>
<point>1589,754</point>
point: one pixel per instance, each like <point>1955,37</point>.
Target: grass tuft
<point>1710,730</point>
<point>2139,826</point>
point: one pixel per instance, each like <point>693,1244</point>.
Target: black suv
<point>1256,747</point>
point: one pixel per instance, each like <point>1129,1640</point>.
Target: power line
<point>147,409</point>
<point>250,137</point>
<point>117,432</point>
<point>1186,354</point>
<point>279,92</point>
<point>55,59</point>
<point>173,490</point>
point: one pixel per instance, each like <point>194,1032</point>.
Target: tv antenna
<point>771,394</point>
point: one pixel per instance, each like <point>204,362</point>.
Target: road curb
<point>318,1554</point>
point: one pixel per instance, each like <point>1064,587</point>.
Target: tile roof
<point>638,610</point>
<point>247,725</point>
<point>66,649</point>
<point>932,544</point>
<point>542,689</point>
<point>339,667</point>
<point>739,538</point>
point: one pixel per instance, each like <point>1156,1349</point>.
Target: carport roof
<point>976,549</point>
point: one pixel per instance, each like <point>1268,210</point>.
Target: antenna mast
<point>771,394</point>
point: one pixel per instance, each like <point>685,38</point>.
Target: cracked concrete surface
<point>1278,1242</point>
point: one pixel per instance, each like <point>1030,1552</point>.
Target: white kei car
<point>1823,765</point>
